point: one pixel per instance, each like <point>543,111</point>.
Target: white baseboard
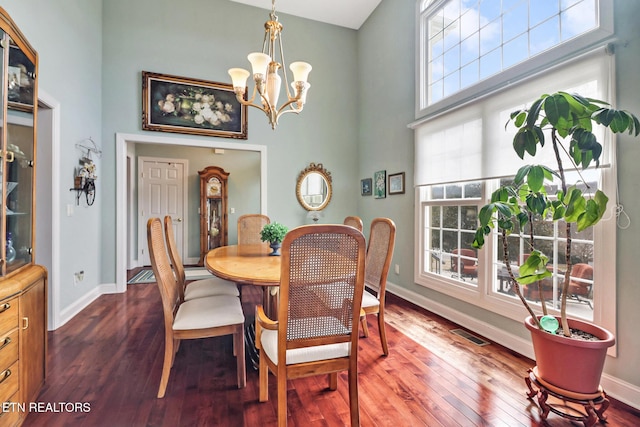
<point>82,303</point>
<point>191,261</point>
<point>615,387</point>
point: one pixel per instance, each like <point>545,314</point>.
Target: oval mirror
<point>314,187</point>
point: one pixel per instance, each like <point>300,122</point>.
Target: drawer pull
<point>6,374</point>
<point>6,342</point>
<point>25,323</point>
<point>4,307</point>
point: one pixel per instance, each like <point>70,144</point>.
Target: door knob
<point>178,219</point>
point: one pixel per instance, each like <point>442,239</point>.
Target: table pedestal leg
<point>270,305</point>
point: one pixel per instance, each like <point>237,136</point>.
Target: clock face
<point>214,187</point>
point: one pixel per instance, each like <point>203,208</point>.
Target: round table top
<point>245,264</point>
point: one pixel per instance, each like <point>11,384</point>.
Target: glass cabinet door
<point>18,158</point>
<point>4,39</point>
<point>19,189</point>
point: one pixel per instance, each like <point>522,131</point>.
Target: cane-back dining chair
<point>382,237</point>
<point>354,221</point>
<point>198,288</point>
<point>198,318</point>
<point>316,330</point>
<point>249,228</point>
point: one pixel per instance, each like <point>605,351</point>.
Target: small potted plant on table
<point>274,234</point>
<point>571,364</point>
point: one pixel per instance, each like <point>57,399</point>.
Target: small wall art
<point>365,187</point>
<point>380,184</point>
<point>396,183</point>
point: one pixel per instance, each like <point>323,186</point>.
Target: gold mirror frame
<point>326,175</point>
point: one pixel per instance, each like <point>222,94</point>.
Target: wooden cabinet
<point>23,284</point>
<point>213,209</point>
<point>33,339</point>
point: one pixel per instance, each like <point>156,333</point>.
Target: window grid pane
<point>471,40</point>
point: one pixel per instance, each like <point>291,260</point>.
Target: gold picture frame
<point>191,106</point>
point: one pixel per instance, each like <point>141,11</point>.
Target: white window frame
<point>536,64</point>
<point>481,294</point>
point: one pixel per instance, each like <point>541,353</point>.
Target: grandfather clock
<point>213,209</point>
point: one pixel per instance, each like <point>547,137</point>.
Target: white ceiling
<point>345,13</point>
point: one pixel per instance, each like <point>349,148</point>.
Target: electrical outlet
<point>78,277</point>
<point>397,269</point>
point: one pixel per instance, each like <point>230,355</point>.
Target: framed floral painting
<point>184,105</point>
<point>380,185</point>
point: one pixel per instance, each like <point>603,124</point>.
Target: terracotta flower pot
<point>567,363</point>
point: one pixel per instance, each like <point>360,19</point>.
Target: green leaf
<point>620,122</point>
<point>595,209</point>
<point>534,268</point>
<point>636,126</point>
<point>523,219</point>
<point>522,173</point>
<point>575,204</point>
<point>556,108</point>
<point>478,240</point>
<point>534,112</point>
<point>520,118</point>
<point>504,209</point>
<point>519,142</point>
<point>500,195</point>
<point>535,178</point>
<point>485,214</point>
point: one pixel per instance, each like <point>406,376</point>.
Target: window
<point>451,213</point>
<point>466,42</point>
<point>463,155</point>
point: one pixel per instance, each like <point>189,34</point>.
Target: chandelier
<point>267,80</point>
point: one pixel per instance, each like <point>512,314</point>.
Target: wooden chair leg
<point>263,372</point>
<point>365,329</point>
<point>169,353</point>
<point>282,397</point>
<point>238,343</point>
<point>333,381</point>
<point>383,334</point>
<point>176,347</point>
<point>353,395</point>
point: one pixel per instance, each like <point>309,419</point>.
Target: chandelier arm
<point>284,68</point>
<point>249,103</point>
<point>292,109</point>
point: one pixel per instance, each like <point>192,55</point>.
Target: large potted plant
<point>566,122</point>
<point>274,234</point>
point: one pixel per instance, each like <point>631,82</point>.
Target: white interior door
<point>161,192</point>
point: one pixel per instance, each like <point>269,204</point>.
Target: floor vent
<point>470,337</point>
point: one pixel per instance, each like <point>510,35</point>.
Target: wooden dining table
<point>248,265</point>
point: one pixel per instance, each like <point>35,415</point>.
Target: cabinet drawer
<point>9,382</point>
<point>8,315</point>
<point>8,349</point>
<point>12,416</point>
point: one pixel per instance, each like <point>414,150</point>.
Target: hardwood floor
<point>110,357</point>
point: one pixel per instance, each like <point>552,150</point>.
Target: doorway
<point>125,144</point>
